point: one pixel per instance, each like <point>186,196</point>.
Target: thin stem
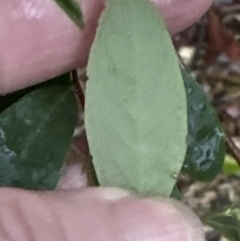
<point>78,88</point>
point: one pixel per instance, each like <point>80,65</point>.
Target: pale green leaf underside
<point>136,113</point>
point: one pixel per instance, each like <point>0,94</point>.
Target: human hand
<point>94,214</point>
<point>38,41</point>
<point>40,44</point>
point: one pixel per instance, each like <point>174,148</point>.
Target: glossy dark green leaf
<point>227,223</point>
<point>6,101</point>
<point>205,140</point>
<point>9,99</point>
<point>35,134</point>
<point>136,126</point>
<point>73,10</point>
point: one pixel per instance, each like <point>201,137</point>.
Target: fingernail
<point>150,220</point>
<point>112,194</point>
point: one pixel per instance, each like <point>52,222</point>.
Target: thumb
<point>93,214</point>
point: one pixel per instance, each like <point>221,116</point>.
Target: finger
<point>38,41</point>
<point>94,214</point>
<point>180,14</point>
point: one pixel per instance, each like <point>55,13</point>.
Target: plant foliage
<point>205,140</point>
<point>226,222</point>
<point>35,134</point>
<point>136,126</point>
<point>73,10</point>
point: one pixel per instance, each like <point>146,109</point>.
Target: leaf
<point>9,99</point>
<point>176,194</point>
<point>135,125</point>
<point>206,146</point>
<point>227,223</point>
<point>73,10</point>
<point>35,134</point>
<point>230,166</point>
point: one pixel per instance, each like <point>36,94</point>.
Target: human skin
<point>94,214</point>
<point>38,42</point>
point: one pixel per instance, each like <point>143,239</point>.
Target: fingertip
<point>139,219</point>
<point>146,219</point>
<point>40,42</point>
<point>180,14</point>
